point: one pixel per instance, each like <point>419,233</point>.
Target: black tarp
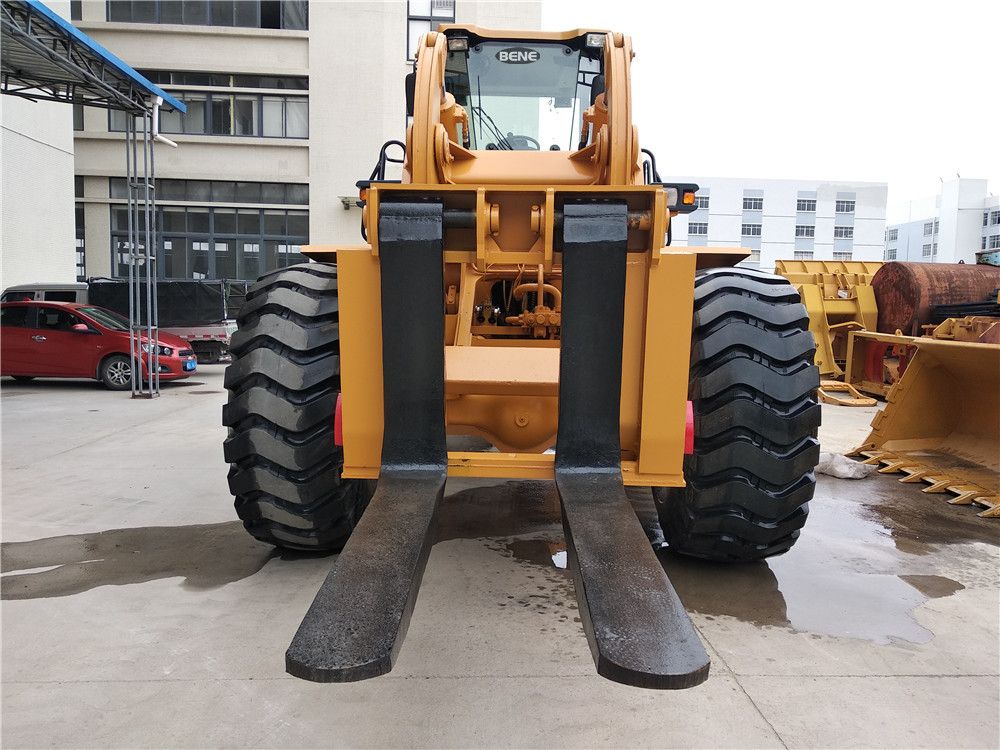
<point>180,302</point>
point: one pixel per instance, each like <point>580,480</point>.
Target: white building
<point>786,219</point>
<point>288,104</point>
<point>953,226</point>
<point>36,151</point>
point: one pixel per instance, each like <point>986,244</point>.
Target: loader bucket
<point>941,424</point>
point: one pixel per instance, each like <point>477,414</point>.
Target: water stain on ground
<point>205,556</point>
<point>848,576</point>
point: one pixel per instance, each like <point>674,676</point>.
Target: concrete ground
<point>137,613</point>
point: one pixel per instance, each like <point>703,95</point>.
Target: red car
<point>70,340</point>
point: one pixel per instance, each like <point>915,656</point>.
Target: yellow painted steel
<point>839,299</point>
<point>501,377</point>
<point>941,424</point>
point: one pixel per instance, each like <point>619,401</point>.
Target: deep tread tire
<point>283,384</point>
<point>753,390</point>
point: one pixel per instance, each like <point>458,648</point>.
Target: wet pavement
<point>137,613</point>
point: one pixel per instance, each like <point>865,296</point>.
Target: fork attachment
<point>639,632</point>
<point>358,620</point>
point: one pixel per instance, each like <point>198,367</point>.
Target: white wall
<point>37,241</point>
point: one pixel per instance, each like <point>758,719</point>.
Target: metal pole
<point>129,181</point>
<point>154,247</point>
<point>152,337</point>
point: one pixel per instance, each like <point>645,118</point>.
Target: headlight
<point>163,351</point>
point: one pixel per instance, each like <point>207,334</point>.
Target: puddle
<point>205,556</point>
<point>849,576</point>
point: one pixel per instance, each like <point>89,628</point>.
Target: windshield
<point>522,96</point>
<point>106,318</point>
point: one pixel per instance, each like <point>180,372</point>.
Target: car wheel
<point>116,372</point>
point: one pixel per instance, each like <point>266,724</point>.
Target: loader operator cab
<point>523,96</point>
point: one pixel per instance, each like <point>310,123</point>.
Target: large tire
<point>753,390</point>
<point>283,384</point>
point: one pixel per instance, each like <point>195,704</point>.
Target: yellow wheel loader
<point>519,284</point>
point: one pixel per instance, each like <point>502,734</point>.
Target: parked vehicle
<point>199,311</point>
<point>70,340</point>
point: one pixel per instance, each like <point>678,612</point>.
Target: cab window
<point>15,317</point>
<point>54,319</point>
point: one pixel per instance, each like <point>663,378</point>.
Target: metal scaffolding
<point>43,57</point>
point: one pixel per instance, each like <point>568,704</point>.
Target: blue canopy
<point>44,56</point>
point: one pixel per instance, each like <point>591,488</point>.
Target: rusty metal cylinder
<point>906,292</point>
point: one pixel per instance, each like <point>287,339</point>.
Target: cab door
<point>56,349</point>
<point>16,322</point>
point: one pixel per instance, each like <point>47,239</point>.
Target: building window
<point>753,204</point>
<point>221,191</point>
<point>701,201</point>
<point>218,243</point>
<point>995,217</point>
<point>697,227</point>
<point>995,242</point>
<point>935,226</point>
<point>986,217</point>
<point>81,255</point>
<point>892,235</point>
<point>805,204</point>
<point>926,251</point>
<point>754,256</point>
<point>984,243</point>
<point>802,255</point>
<point>256,14</point>
<point>805,230</point>
<point>843,233</point>
<point>75,10</point>
<point>423,16</point>
<point>750,230</point>
<point>928,228</point>
<point>253,115</point>
<point>845,207</point>
<point>890,253</point>
<point>77,117</point>
<point>170,78</point>
<point>842,255</point>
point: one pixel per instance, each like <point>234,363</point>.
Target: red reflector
<point>338,424</point>
<point>688,430</point>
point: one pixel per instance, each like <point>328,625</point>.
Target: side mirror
<point>596,88</point>
<point>411,89</point>
<point>80,328</point>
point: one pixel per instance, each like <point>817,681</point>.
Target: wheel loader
<point>519,284</point>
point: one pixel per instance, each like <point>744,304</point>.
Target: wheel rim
<point>119,373</point>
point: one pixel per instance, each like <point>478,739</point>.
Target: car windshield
<point>106,318</point>
<point>523,96</point>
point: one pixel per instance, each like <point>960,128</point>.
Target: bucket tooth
<point>357,622</point>
<point>639,632</point>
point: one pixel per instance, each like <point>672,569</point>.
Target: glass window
<point>272,116</point>
<point>118,188</point>
<point>245,115</point>
<point>926,251</point>
<point>193,121</point>
<point>803,255</point>
<point>14,317</point>
<point>172,259</point>
<point>249,222</point>
<point>805,230</point>
<point>842,255</point>
<point>225,259</point>
<point>890,254</point>
<point>198,220</point>
<point>248,192</point>
<point>753,204</point>
<point>250,260</point>
<point>845,207</point>
<point>701,201</point>
<point>416,28</point>
<point>995,217</point>
<point>844,233</point>
<point>199,190</point>
<point>222,12</point>
<point>298,224</point>
<point>995,242</point>
<point>422,16</point>
<point>698,227</point>
<point>171,11</point>
<point>222,114</point>
<point>750,230</point>
<point>272,192</point>
<point>274,223</point>
<point>805,204</point>
<point>295,14</point>
<point>225,220</point>
<point>223,191</point>
<point>174,219</point>
<point>246,14</point>
<point>198,260</point>
<point>297,118</point>
<point>172,190</point>
<point>928,228</point>
<point>298,194</point>
<point>196,12</point>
